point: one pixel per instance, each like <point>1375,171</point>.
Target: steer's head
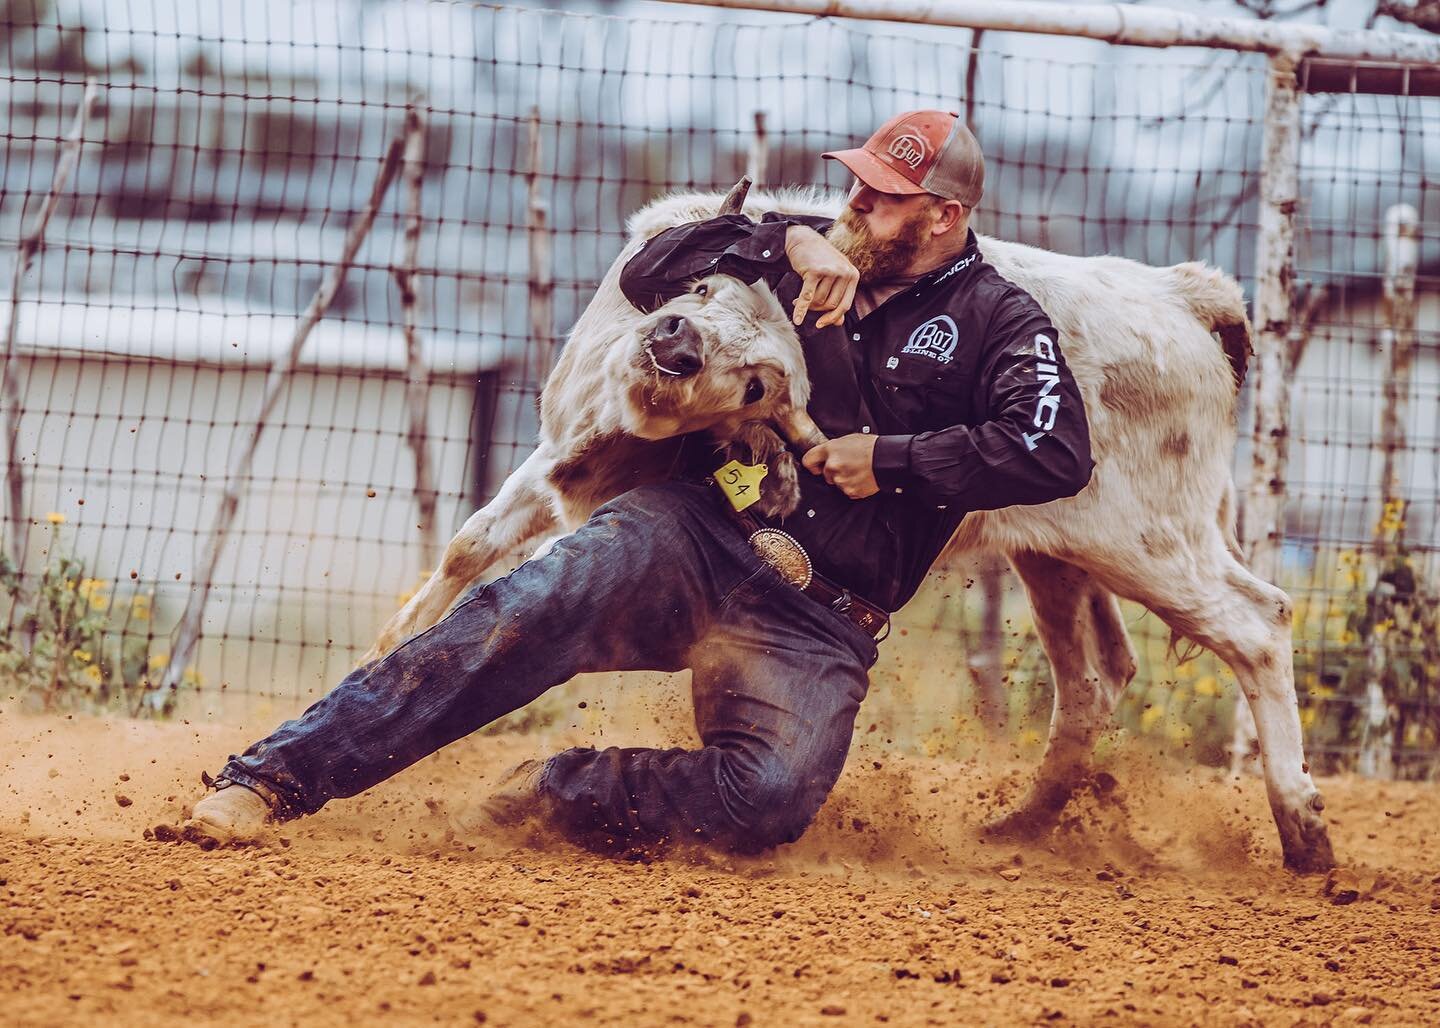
<point>722,353</point>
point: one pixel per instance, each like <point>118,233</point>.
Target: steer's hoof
<point>1024,825</point>
<point>1305,839</point>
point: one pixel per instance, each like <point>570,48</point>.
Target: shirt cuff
<point>764,246</point>
<point>890,462</point>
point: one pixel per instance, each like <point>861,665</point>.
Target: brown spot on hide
<point>604,466</point>
<point>1129,386</point>
<point>1176,444</point>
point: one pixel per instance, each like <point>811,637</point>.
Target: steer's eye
<point>702,290</point>
<point>754,392</point>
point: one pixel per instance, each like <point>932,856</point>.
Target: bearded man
<point>942,389</point>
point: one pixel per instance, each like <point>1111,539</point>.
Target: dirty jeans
<point>658,579</point>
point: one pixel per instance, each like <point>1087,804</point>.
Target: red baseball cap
<point>920,152</point>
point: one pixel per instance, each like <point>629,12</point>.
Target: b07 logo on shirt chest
<point>935,339</point>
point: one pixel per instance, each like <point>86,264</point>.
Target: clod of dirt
<point>1342,886</point>
<point>123,800</point>
<point>832,1011</point>
<point>1010,874</point>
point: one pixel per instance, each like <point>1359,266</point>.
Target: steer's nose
<point>674,346</point>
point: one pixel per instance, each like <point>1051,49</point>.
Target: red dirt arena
<point>1162,902</point>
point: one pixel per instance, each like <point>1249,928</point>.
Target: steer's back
<point>1159,389</point>
<point>1159,393</point>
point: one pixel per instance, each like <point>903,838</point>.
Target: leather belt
<point>783,552</point>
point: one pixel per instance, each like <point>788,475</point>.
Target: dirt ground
<point>1163,904</point>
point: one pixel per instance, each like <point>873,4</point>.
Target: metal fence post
<point>1270,382</point>
<point>417,376</point>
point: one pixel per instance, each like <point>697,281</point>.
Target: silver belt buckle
<point>783,553</point>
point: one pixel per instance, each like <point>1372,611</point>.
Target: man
<point>942,389</point>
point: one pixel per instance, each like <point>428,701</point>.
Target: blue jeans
<point>658,579</point>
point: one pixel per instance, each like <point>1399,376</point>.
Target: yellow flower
<point>1382,627</point>
<point>83,656</point>
<point>1207,686</point>
<point>1308,717</point>
<point>193,677</point>
<point>1149,717</point>
<point>140,608</point>
<point>55,518</point>
<point>92,673</point>
<point>93,589</point>
<point>1392,518</point>
<point>158,661</point>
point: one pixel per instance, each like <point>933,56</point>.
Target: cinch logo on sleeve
<point>935,339</point>
<point>1047,405</point>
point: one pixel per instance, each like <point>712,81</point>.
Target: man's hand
<point>830,278</point>
<point>846,464</point>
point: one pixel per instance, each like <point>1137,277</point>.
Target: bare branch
<point>542,278</point>
<point>188,633</point>
<point>29,244</point>
<point>1423,14</point>
<point>1304,305</point>
<point>759,156</point>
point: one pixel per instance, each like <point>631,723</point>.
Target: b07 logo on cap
<point>908,148</point>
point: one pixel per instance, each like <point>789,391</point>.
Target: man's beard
<point>874,259</point>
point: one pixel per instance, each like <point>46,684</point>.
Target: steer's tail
<point>1217,300</point>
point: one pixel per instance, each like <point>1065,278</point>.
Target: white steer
<point>1155,524</point>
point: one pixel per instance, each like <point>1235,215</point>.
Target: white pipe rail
<point>1121,24</point>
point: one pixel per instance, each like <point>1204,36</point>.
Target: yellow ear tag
<point>741,482</point>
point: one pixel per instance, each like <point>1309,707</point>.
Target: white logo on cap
<point>935,339</point>
<point>908,148</point>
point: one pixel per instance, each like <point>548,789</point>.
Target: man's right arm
<point>732,244</point>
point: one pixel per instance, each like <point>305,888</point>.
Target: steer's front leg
<point>520,511</point>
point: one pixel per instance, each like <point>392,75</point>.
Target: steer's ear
<point>735,199</point>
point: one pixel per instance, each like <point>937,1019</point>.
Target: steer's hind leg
<point>519,512</point>
<point>1092,660</point>
<point>1205,594</point>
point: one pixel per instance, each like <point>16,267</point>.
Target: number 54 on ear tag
<point>740,482</point>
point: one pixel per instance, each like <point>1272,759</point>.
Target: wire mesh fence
<point>232,148</point>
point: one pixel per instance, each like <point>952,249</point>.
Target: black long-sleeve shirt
<point>960,376</point>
